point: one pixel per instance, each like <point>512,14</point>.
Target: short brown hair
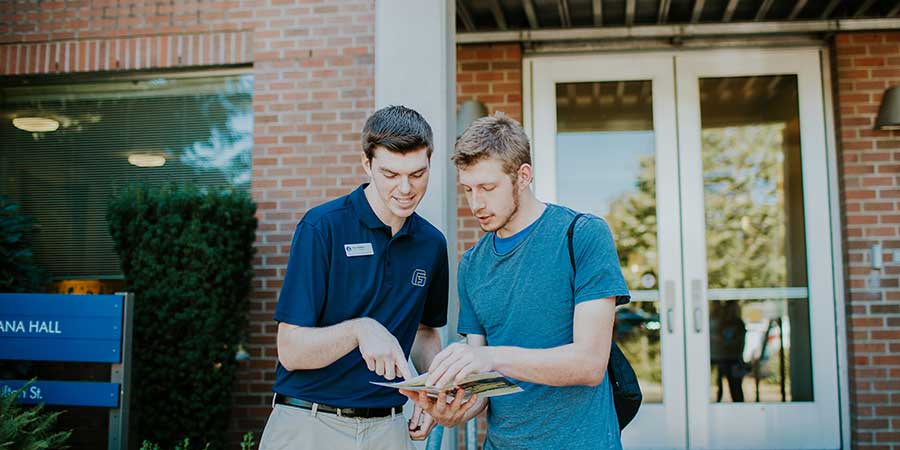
<point>398,129</point>
<point>496,136</point>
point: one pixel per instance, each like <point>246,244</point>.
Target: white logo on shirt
<point>419,277</point>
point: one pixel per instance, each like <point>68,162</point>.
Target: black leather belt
<point>343,412</point>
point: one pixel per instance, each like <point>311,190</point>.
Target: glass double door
<point>710,168</point>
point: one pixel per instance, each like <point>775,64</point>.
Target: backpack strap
<point>626,391</point>
<point>571,236</point>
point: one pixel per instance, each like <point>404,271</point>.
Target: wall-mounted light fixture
<point>469,111</point>
<point>36,124</point>
<point>889,113</point>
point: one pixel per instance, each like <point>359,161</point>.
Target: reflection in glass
<point>606,165</point>
<point>755,239</point>
<point>637,334</point>
<point>727,340</point>
<point>750,350</point>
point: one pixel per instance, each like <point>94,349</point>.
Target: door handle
<point>669,295</point>
<point>697,304</point>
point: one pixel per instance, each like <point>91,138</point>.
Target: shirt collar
<point>368,218</point>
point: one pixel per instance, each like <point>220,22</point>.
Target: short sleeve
<point>435,313</point>
<point>303,292</point>
<point>597,273</point>
<point>468,322</point>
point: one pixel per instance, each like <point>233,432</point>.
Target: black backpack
<point>625,388</point>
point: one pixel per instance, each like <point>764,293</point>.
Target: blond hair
<point>498,137</point>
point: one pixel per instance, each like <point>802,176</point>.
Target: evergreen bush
<point>187,255</point>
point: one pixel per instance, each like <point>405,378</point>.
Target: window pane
<point>606,165</point>
<point>755,238</point>
<point>154,130</point>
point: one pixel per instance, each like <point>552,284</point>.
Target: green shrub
<point>187,256</point>
<point>18,272</point>
<point>247,443</point>
<point>28,427</point>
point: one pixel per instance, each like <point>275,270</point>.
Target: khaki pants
<point>300,429</point>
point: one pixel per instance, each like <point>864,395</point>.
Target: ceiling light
<point>36,124</point>
<point>145,160</point>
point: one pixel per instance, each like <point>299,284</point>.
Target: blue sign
<point>58,327</point>
<point>68,393</point>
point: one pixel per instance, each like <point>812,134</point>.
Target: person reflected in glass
<point>727,335</point>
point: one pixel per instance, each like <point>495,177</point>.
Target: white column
<point>415,66</point>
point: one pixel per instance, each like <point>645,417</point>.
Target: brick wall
<point>104,35</point>
<point>314,88</point>
<point>313,66</point>
<point>491,74</point>
<point>866,65</point>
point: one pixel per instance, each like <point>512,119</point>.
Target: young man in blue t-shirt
<point>524,312</point>
<point>365,287</point>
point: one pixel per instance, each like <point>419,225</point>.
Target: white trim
<point>528,104</point>
<point>743,421</point>
<point>757,293</point>
<point>680,31</point>
<point>645,296</point>
<point>656,425</point>
<point>837,259</point>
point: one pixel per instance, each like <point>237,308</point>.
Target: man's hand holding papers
<point>462,377</point>
<point>484,385</point>
<point>449,404</point>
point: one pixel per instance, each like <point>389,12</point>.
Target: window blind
<point>198,126</point>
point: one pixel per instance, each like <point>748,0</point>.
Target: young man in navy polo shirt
<point>365,287</point>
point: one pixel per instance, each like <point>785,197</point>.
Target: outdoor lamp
<point>469,111</point>
<point>889,113</point>
<point>36,124</point>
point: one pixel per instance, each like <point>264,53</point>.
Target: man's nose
<point>477,203</point>
<point>405,187</point>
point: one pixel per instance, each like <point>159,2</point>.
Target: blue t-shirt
<point>526,298</point>
<point>504,245</point>
<point>344,264</point>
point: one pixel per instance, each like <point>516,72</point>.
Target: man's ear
<point>367,164</point>
<point>525,176</point>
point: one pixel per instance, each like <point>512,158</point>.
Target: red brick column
<point>867,64</point>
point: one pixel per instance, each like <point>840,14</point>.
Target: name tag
<point>363,249</point>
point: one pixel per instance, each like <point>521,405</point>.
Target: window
<point>188,128</point>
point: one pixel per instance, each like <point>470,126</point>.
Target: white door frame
<point>820,189</point>
<point>753,425</point>
<point>663,418</point>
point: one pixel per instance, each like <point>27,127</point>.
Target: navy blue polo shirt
<point>344,264</point>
